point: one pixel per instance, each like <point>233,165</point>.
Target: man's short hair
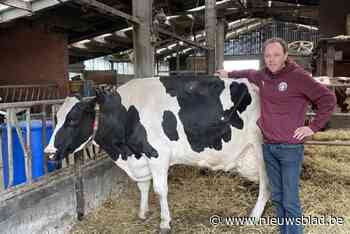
<point>282,42</point>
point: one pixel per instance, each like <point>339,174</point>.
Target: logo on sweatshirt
<point>282,87</point>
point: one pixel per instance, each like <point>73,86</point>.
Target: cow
<point>152,123</point>
<point>341,92</point>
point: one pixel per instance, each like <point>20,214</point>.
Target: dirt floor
<point>196,194</point>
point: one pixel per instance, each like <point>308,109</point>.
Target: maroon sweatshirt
<point>284,99</point>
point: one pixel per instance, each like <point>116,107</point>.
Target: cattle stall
<point>34,194</point>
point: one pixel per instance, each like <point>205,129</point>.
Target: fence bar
<point>35,103</point>
<point>7,93</point>
<point>53,114</point>
<point>332,143</point>
<point>333,114</point>
<point>33,93</point>
<point>43,134</point>
<point>50,93</point>
<point>26,95</point>
<point>13,94</point>
<point>38,95</point>
<point>29,148</point>
<point>44,94</point>
<point>2,181</point>
<point>79,185</point>
<point>20,94</point>
<point>28,86</point>
<point>9,148</point>
<point>24,148</point>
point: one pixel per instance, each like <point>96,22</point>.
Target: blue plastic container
<point>37,149</point>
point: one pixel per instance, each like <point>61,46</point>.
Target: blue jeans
<point>283,165</point>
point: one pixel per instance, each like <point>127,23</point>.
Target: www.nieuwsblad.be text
<point>304,220</point>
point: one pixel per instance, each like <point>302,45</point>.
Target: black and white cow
<point>151,124</point>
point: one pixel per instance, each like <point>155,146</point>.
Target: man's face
<point>274,57</point>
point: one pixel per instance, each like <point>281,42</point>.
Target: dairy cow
<point>151,124</point>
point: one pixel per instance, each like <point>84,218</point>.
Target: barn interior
<point>51,49</point>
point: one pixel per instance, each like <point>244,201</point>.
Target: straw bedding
<point>196,194</point>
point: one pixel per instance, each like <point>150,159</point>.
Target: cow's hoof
<point>164,231</point>
<point>145,216</point>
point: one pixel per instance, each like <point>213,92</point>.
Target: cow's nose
<point>50,150</point>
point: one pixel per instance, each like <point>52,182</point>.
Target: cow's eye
<point>72,122</point>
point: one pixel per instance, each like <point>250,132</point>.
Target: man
<point>285,91</point>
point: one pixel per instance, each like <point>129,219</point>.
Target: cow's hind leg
<point>159,167</point>
<point>144,191</point>
<point>264,192</point>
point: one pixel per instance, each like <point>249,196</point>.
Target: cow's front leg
<point>159,168</point>
<point>144,190</point>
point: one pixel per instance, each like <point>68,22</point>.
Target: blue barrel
<point>37,149</point>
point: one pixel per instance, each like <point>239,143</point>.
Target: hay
<point>196,194</point>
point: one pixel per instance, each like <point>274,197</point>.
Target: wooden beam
<point>96,46</point>
<point>103,43</point>
<point>17,4</point>
<point>173,35</point>
<point>122,42</point>
<point>105,9</point>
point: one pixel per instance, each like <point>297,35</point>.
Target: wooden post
<point>79,185</point>
<point>143,48</point>
<point>210,29</point>
<point>220,44</point>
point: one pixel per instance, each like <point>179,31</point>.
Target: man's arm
<point>250,74</point>
<point>322,97</point>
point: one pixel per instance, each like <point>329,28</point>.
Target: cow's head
<point>74,128</point>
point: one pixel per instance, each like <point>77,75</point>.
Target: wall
<point>51,207</point>
<point>33,54</point>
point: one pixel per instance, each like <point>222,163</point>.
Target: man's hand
<point>222,73</point>
<point>302,132</point>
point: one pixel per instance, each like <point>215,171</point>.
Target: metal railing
<point>47,114</point>
<point>21,93</point>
